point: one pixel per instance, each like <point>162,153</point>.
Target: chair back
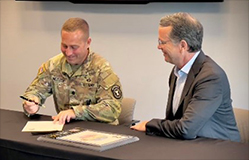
<point>242,119</point>
<point>127,110</point>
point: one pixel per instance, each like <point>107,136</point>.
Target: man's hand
<point>140,126</point>
<point>64,116</point>
<point>31,107</point>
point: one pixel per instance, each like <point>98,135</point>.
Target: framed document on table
<point>88,139</point>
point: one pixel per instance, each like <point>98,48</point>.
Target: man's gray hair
<point>184,27</point>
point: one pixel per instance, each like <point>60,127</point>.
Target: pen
<point>30,100</point>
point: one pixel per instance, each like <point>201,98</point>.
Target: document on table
<point>89,139</point>
<point>42,126</point>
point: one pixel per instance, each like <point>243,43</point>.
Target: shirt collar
<point>185,69</point>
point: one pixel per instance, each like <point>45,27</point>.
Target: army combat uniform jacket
<point>93,91</point>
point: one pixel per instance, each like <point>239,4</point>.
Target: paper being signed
<point>42,126</point>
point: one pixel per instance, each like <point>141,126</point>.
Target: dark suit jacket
<point>205,108</point>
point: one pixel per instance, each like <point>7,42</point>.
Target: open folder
<point>42,126</point>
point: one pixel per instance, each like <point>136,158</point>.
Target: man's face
<point>170,50</point>
<point>74,46</point>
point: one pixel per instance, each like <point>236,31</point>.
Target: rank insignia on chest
<point>116,91</point>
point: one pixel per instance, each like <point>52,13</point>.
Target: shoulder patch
<point>40,70</point>
<point>116,91</point>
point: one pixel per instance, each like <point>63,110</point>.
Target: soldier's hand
<point>140,126</point>
<point>31,107</point>
<point>64,116</point>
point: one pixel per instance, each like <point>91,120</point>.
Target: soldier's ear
<point>89,40</point>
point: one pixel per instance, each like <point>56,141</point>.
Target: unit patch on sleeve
<point>116,91</point>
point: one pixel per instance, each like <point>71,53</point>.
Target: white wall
<point>126,35</point>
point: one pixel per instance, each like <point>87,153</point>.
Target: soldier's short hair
<point>73,24</point>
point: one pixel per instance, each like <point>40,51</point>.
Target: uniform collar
<point>67,69</point>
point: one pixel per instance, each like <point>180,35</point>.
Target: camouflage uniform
<point>93,91</point>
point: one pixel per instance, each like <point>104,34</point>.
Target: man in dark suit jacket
<point>199,100</point>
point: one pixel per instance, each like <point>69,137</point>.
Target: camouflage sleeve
<point>41,85</point>
<point>109,97</point>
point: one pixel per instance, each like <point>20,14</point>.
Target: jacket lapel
<point>172,82</point>
<point>195,69</point>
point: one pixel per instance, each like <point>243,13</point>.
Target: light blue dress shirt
<point>181,75</point>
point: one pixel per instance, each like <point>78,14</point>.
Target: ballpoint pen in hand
<point>30,100</point>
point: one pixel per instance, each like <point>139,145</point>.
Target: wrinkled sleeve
<point>109,97</point>
<point>41,85</point>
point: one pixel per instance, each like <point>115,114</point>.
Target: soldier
<point>82,83</point>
